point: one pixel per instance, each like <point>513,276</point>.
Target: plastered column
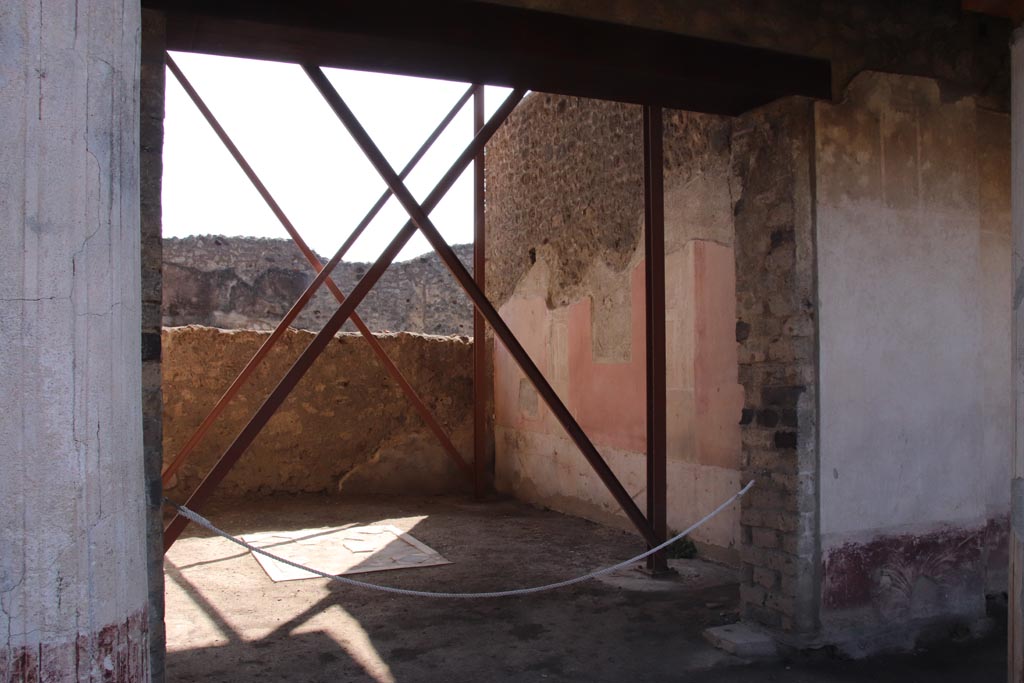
<point>1016,626</point>
<point>72,514</point>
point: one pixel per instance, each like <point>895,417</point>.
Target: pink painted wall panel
<point>530,321</point>
<point>609,399</point>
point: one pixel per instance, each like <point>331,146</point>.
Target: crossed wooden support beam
<point>179,460</point>
<point>652,531</point>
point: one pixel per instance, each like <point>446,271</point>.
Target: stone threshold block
<point>742,640</point>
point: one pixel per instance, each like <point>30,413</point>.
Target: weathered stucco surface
<point>914,287</point>
<point>564,261</point>
<point>739,268</point>
<point>895,203</point>
<point>250,283</point>
<point>347,427</point>
<point>72,507</point>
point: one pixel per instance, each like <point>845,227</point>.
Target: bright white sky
<point>304,156</point>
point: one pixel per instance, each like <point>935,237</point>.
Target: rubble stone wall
<point>776,326</point>
<point>347,428</point>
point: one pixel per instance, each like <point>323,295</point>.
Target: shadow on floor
<point>228,622</point>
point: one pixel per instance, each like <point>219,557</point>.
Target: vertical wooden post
<point>479,325</point>
<point>654,255</point>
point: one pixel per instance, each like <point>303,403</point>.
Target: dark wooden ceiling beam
<point>480,43</point>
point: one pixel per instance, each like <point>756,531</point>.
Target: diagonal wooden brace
<point>316,347</point>
<point>422,221</point>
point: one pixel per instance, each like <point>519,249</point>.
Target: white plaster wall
<point>72,550</point>
<point>914,294</point>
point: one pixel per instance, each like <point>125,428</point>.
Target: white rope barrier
<point>205,523</point>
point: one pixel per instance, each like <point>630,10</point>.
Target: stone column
<point>72,511</point>
<point>1016,618</point>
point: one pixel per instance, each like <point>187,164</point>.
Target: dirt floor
<point>226,621</point>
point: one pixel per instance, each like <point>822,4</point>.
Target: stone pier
<point>72,517</point>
